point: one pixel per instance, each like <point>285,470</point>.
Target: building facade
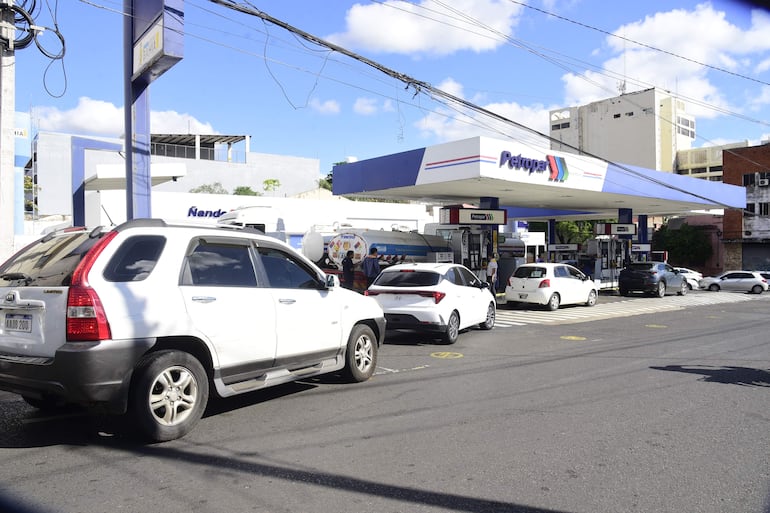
<point>746,233</point>
<point>644,128</point>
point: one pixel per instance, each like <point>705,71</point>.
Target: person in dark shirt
<point>371,266</point>
<point>348,275</point>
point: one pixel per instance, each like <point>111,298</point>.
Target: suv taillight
<point>86,320</point>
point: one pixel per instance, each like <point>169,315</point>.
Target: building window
<point>748,179</point>
<point>697,170</point>
<point>616,116</point>
<point>629,114</point>
<point>750,207</point>
<point>764,209</point>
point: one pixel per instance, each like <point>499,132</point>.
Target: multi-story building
<point>746,233</point>
<point>645,128</point>
<point>706,162</point>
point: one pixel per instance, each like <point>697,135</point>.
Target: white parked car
<point>551,285</point>
<point>436,298</point>
<point>692,278</point>
<point>151,318</point>
<point>741,281</point>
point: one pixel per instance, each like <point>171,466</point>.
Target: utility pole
<point>7,126</point>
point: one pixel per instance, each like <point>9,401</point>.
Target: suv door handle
<point>204,299</point>
<point>287,301</point>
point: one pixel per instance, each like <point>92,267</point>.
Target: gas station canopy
<point>530,182</point>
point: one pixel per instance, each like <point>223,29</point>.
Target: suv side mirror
<point>332,280</point>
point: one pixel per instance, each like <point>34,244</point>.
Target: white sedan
<point>550,284</point>
<point>692,278</point>
<point>437,298</point>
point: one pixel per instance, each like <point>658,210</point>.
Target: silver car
<point>741,281</point>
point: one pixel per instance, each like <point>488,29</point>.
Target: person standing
<point>348,275</point>
<point>371,266</point>
<point>492,274</point>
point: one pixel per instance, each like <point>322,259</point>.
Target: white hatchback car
<point>551,285</point>
<point>440,298</point>
<point>741,281</point>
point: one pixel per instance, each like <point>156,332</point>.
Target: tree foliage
<point>245,190</point>
<point>210,188</point>
<point>687,246</point>
<point>271,184</point>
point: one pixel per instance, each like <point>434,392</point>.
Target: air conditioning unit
<point>763,182</point>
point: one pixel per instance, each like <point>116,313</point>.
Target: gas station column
<point>491,203</point>
<point>641,235</point>
<point>551,238</point>
<point>626,216</point>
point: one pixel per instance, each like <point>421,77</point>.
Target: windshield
<point>529,272</point>
<point>407,279</point>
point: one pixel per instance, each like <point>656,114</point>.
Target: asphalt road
<point>664,412</point>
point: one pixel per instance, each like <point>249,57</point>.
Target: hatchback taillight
<point>437,296</point>
<point>546,283</point>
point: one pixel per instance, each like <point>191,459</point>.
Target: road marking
<point>446,355</point>
<point>655,326</point>
<point>623,308</point>
<point>571,337</point>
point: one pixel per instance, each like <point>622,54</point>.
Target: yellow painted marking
<point>655,326</point>
<point>446,355</point>
<point>572,337</point>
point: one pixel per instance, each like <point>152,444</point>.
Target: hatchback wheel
<point>490,322</point>
<point>714,287</point>
<point>554,302</point>
<point>168,395</point>
<point>756,289</point>
<point>361,354</point>
<point>683,289</point>
<point>591,301</point>
<point>452,329</point>
<point>660,290</point>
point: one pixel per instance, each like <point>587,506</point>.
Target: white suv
<point>147,316</point>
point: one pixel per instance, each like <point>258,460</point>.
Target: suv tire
<point>361,354</point>
<point>168,395</point>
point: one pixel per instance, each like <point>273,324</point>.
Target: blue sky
<point>241,76</point>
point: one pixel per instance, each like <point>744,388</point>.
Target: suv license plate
<point>18,322</point>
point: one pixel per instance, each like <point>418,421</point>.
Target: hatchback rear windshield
<point>529,272</point>
<point>48,262</point>
<point>408,279</point>
<point>642,266</point>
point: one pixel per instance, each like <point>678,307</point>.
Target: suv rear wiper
<point>16,276</point>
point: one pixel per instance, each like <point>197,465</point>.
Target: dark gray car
<point>654,278</point>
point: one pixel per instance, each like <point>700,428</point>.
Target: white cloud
<point>700,36</point>
<point>428,27</point>
<point>445,125</point>
<point>762,66</point>
<point>326,107</point>
<point>100,118</point>
<point>365,106</point>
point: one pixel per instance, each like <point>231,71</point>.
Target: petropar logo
<point>556,166</point>
<point>481,217</point>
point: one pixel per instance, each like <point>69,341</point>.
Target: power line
<point>423,87</point>
<point>638,43</point>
